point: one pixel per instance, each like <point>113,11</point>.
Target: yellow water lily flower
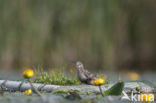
<point>133,76</point>
<point>28,92</point>
<point>28,73</point>
<point>99,81</point>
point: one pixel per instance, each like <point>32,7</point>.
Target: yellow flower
<point>98,81</point>
<point>28,92</point>
<point>133,76</point>
<point>28,73</point>
<point>146,97</point>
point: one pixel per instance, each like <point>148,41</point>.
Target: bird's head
<point>79,65</point>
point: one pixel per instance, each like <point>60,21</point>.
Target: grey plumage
<point>83,75</point>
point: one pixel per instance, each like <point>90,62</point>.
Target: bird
<point>83,75</point>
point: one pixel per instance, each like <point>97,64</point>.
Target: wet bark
<point>18,85</point>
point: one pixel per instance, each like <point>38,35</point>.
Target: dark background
<point>103,34</point>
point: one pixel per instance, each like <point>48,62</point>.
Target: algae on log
<point>15,86</point>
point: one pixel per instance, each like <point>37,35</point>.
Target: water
<point>52,98</point>
<point>18,97</point>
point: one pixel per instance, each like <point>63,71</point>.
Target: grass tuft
<point>55,77</point>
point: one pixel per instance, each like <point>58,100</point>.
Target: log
<point>15,86</point>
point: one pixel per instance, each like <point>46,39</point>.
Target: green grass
<point>59,77</point>
<point>56,77</point>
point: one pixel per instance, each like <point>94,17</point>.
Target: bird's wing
<point>89,75</point>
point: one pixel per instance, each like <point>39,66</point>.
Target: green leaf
<point>116,89</point>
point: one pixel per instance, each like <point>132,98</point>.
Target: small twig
<point>20,86</point>
<point>36,91</point>
<point>101,90</point>
<point>41,86</point>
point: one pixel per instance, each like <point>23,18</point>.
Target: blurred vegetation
<point>61,76</point>
<point>104,34</point>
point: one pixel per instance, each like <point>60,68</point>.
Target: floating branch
<point>19,85</point>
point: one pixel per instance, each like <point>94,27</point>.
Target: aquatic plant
<point>116,89</point>
<point>28,74</point>
<point>99,82</point>
<point>28,92</point>
<point>55,77</point>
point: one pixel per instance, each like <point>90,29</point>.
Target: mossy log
<point>22,86</point>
